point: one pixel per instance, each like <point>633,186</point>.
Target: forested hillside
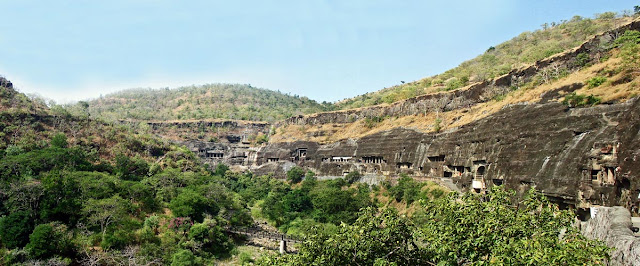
<point>77,191</point>
<point>524,49</point>
<point>226,101</point>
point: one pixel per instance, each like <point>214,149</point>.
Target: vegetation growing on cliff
<point>526,48</point>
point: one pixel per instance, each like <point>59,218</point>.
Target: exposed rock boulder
<point>613,226</point>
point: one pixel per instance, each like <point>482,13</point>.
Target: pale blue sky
<point>326,50</point>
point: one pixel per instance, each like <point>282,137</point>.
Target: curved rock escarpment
<point>580,157</point>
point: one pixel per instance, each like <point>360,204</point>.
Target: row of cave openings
<point>219,154</point>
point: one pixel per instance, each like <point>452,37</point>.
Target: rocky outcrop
<point>613,226</point>
<point>475,93</point>
<point>576,156</point>
<point>231,142</point>
<point>5,83</point>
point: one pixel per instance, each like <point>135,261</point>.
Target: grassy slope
<point>524,49</point>
<point>226,101</point>
<point>618,87</point>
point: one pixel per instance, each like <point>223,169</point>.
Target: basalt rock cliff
<point>577,156</point>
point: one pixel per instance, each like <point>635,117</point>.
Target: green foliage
<point>470,230</point>
<point>13,150</point>
<point>42,160</point>
<point>582,59</point>
<point>96,189</point>
<point>371,122</point>
<point>526,48</point>
<point>260,139</point>
<point>59,141</point>
<point>454,230</point>
<point>60,201</point>
<point>353,177</point>
<point>629,37</point>
<point>244,258</point>
<point>579,100</point>
<point>629,44</point>
<point>375,238</point>
<point>15,229</point>
<point>104,212</point>
<point>48,240</point>
<point>437,125</point>
<point>221,169</point>
<point>184,258</point>
<point>295,174</point>
<point>210,238</point>
<point>192,204</point>
<point>130,168</point>
<point>596,81</point>
<point>224,101</point>
<point>407,189</point>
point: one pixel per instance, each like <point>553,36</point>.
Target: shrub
<point>184,257</point>
<point>245,258</point>
<point>582,59</point>
<point>353,177</point>
<point>578,100</point>
<point>59,140</point>
<point>596,81</point>
<point>436,125</point>
<point>262,139</point>
<point>371,122</point>
<point>295,174</point>
<point>15,229</point>
<point>190,203</point>
<point>221,169</point>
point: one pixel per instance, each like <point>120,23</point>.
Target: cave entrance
<point>595,175</point>
<point>480,171</point>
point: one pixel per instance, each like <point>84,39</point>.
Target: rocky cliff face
<point>613,226</point>
<point>217,141</point>
<point>576,156</point>
<point>579,157</point>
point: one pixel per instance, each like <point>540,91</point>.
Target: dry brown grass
<point>608,92</point>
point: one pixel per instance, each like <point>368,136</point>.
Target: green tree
<point>384,238</point>
<point>221,169</point>
<point>104,212</point>
<point>353,177</point>
<point>62,198</point>
<point>190,203</point>
<point>471,229</point>
<point>130,168</point>
<point>407,189</point>
<point>210,237</point>
<point>48,240</point>
<point>184,257</point>
<point>15,229</point>
<point>295,174</point>
<point>59,141</point>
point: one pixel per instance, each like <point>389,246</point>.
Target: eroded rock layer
<point>578,156</point>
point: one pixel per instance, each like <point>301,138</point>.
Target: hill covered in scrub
<point>522,50</point>
<point>224,101</point>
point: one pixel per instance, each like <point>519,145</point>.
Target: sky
<point>326,50</point>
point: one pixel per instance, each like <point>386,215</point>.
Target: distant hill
<point>226,101</point>
<point>524,49</point>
